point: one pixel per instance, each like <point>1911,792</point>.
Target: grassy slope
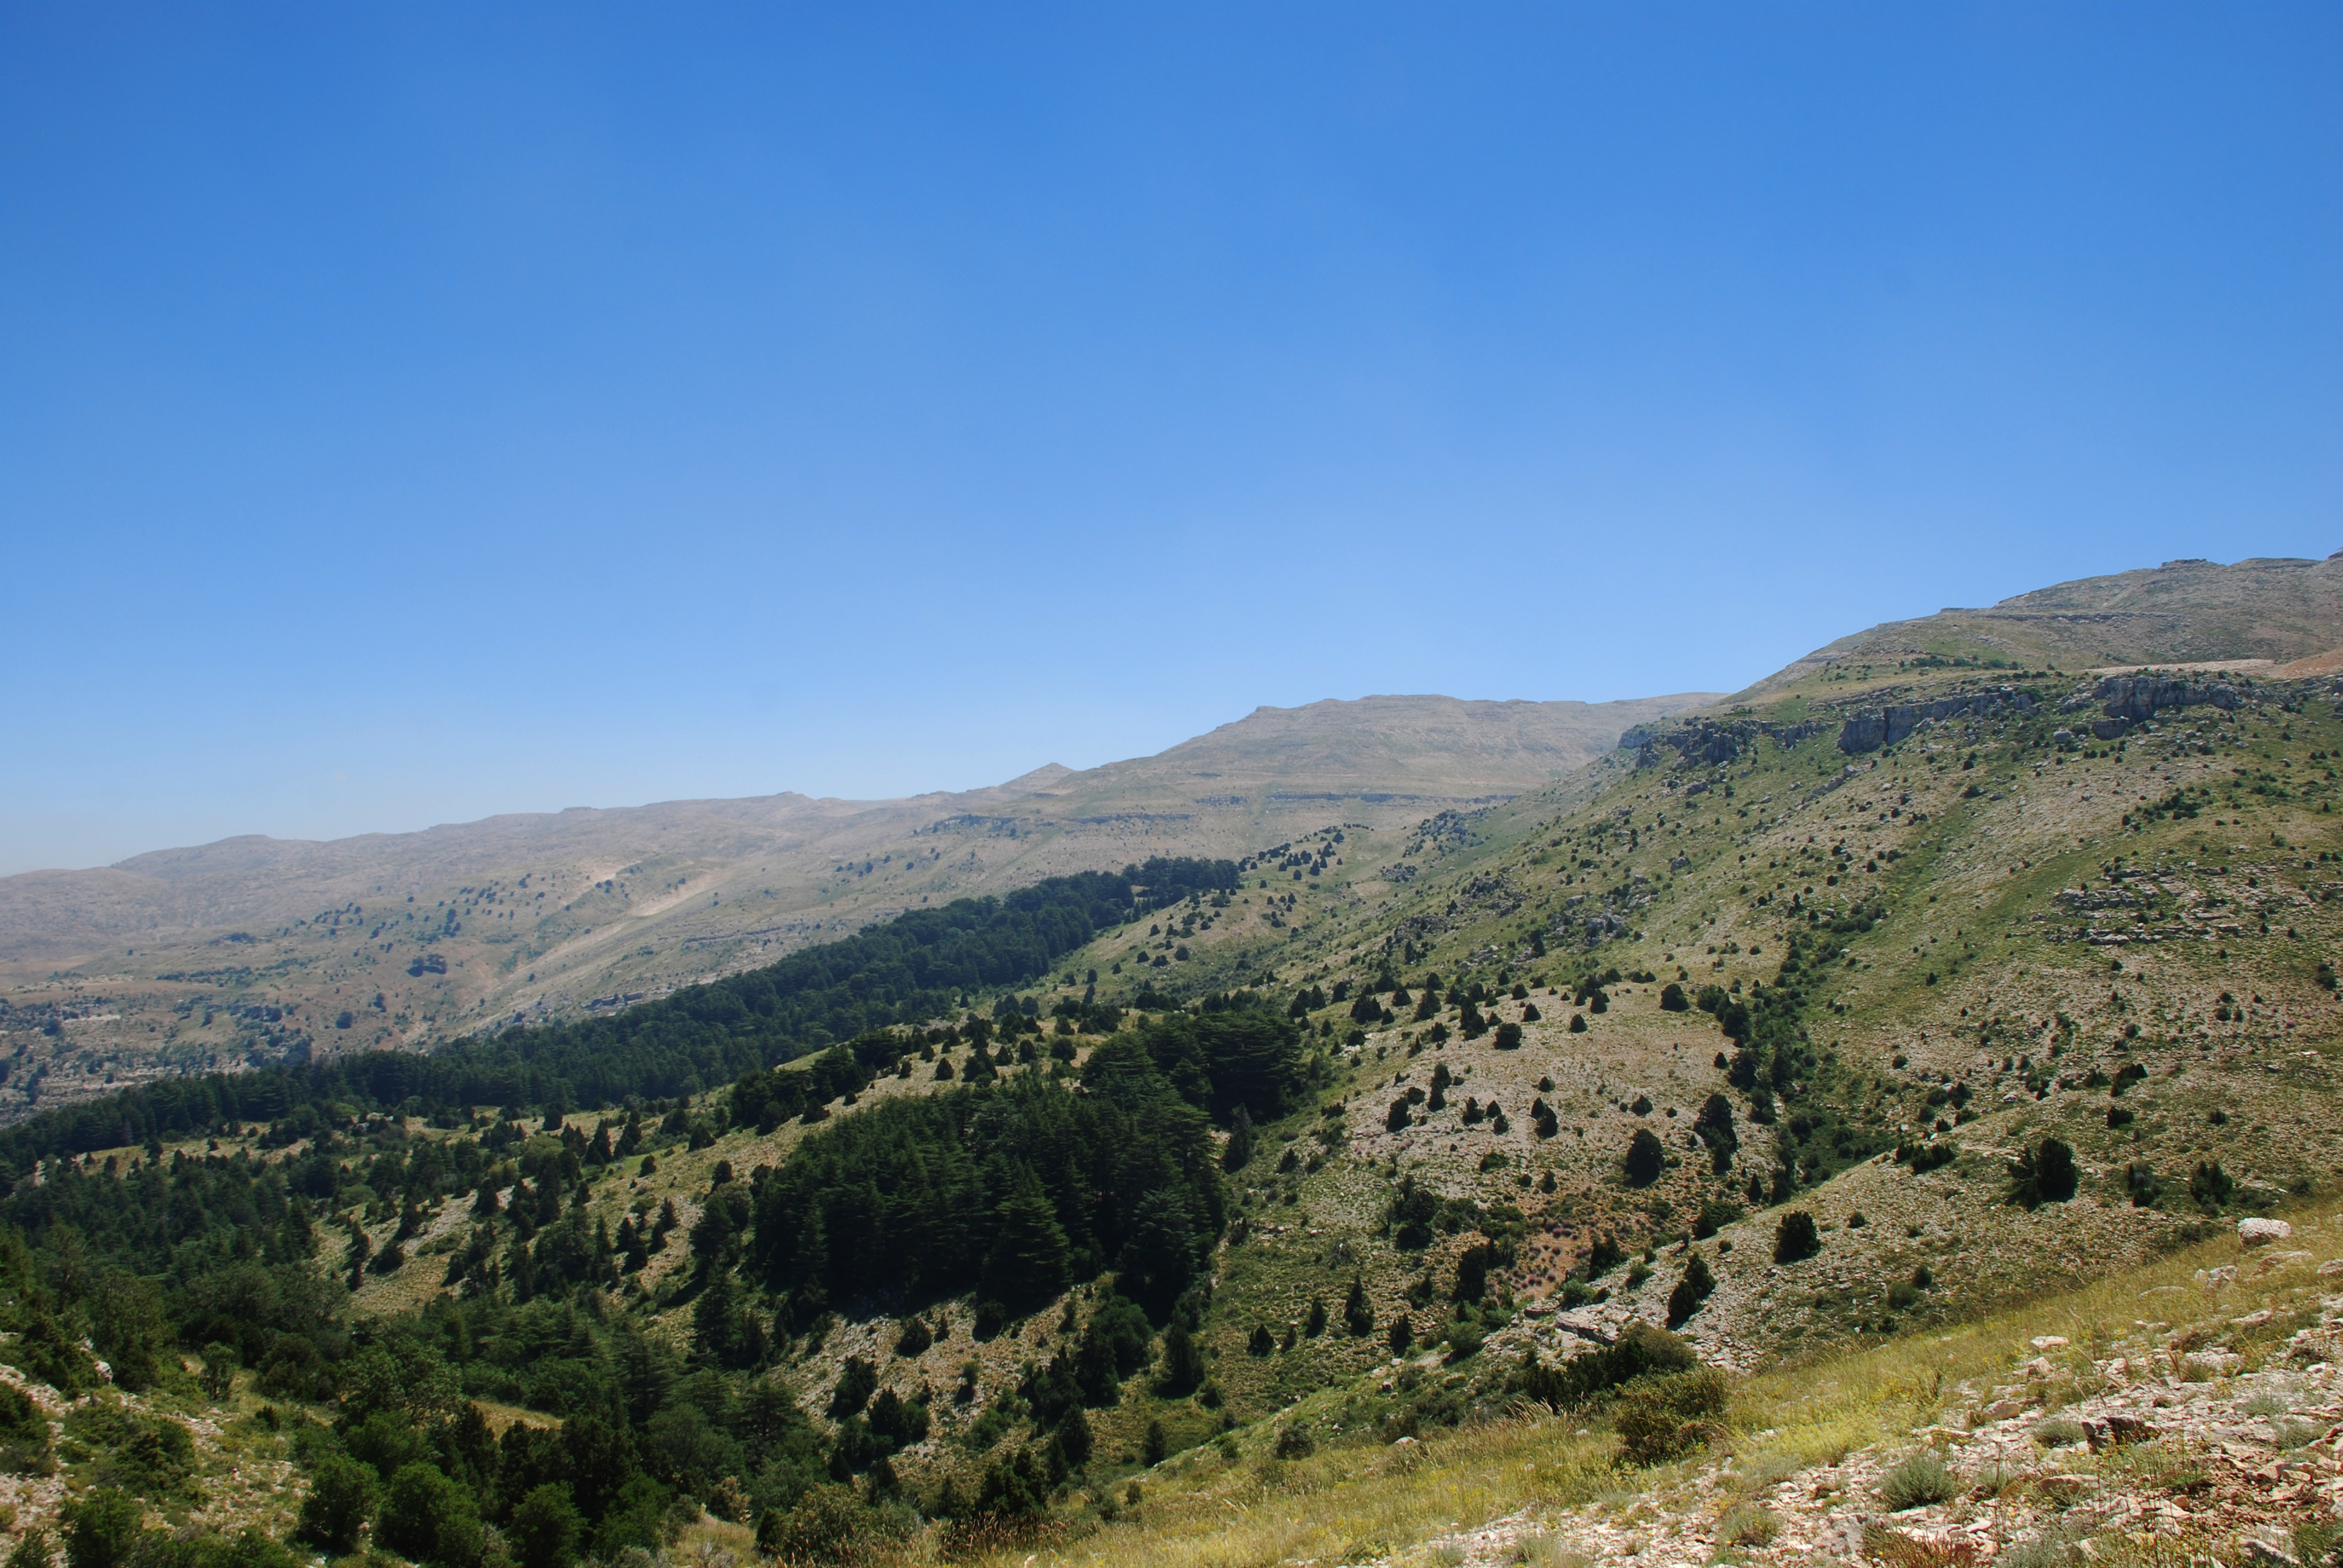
<point>1970,877</point>
<point>1426,1503</point>
<point>1973,901</point>
<point>1972,893</point>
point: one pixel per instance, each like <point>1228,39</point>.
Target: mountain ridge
<point>2278,608</point>
<point>647,897</point>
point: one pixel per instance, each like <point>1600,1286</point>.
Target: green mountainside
<point>1910,986</point>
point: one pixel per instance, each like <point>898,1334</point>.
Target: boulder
<point>2272,1262</point>
<point>2261,1232</point>
<point>2116,1431</point>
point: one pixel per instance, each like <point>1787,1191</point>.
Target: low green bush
<point>1666,1417</point>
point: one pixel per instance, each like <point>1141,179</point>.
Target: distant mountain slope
<point>412,938</point>
<point>2182,612</point>
<point>1433,745</point>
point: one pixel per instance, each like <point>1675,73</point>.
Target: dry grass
<point>1352,1504</point>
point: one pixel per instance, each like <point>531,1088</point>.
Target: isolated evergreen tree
<point>2210,1186</point>
<point>341,1499</point>
<point>1472,1274</point>
<point>857,1381</point>
<point>1690,1291</point>
<point>1358,1315</point>
<point>1013,1488</point>
<point>1183,1363</point>
<point>1646,1159</point>
<point>1073,1437</point>
<point>1714,1127</point>
<point>2043,1175</point>
<point>1795,1238</point>
<point>1317,1323</point>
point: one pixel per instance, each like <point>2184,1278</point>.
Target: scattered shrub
<point>1747,1524</point>
<point>2059,1433</point>
<point>101,1527</point>
<point>23,1434</point>
<point>1642,1351</point>
<point>341,1499</point>
<point>1918,1482</point>
<point>1669,1416</point>
<point>826,1526</point>
<point>2043,1175</point>
<point>1795,1238</point>
<point>1715,1213</point>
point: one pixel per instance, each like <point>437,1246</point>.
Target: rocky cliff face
<point>1870,728</point>
<point>2138,697</point>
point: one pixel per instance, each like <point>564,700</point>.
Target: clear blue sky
<point>415,412</point>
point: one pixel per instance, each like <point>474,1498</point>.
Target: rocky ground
<point>2155,1442</point>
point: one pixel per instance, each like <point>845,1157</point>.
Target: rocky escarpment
<point>1708,741</point>
<point>1700,742</point>
<point>2128,699</point>
<point>2139,696</point>
<point>1868,729</point>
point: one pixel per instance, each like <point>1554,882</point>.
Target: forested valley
<point>183,1241</point>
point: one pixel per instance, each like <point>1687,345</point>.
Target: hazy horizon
<point>418,417</point>
<point>419,827</point>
